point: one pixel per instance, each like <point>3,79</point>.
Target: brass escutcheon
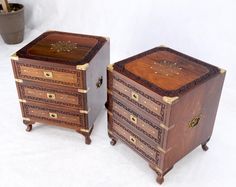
<point>134,96</point>
<point>48,74</point>
<point>53,115</point>
<point>133,119</point>
<point>51,96</point>
<point>194,122</point>
<point>132,139</point>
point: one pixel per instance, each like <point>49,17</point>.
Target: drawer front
<point>54,115</point>
<point>138,98</point>
<point>58,97</point>
<point>52,75</point>
<point>155,132</point>
<point>136,143</point>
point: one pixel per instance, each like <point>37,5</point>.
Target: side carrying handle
<point>99,82</point>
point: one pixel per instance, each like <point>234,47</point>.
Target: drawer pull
<point>194,122</point>
<point>132,139</point>
<point>53,115</point>
<point>133,119</point>
<point>48,74</point>
<point>51,96</point>
<point>134,96</point>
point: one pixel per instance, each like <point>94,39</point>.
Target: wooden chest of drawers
<point>163,104</point>
<point>60,80</point>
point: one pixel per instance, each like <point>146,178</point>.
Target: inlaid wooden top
<point>166,71</point>
<point>61,47</point>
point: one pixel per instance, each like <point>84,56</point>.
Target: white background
<point>53,156</point>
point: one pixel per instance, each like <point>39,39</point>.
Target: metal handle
<point>132,139</point>
<point>134,96</point>
<point>194,122</point>
<point>133,119</point>
<point>53,115</point>
<point>99,82</point>
<point>48,74</point>
<point>51,96</point>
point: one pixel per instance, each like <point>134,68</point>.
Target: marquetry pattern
<point>64,76</point>
<point>162,106</point>
<point>34,93</point>
<point>160,132</point>
<point>144,149</point>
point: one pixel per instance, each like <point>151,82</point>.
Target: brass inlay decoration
<point>53,115</point>
<point>82,67</point>
<point>134,96</point>
<point>194,122</point>
<point>19,80</point>
<point>63,46</point>
<point>169,100</point>
<point>83,91</point>
<point>51,96</point>
<point>22,100</point>
<point>48,74</point>
<point>84,130</point>
<point>84,111</point>
<point>14,57</point>
<point>133,119</point>
<point>132,139</point>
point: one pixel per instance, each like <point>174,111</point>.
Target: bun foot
<point>113,142</point>
<point>28,128</point>
<point>160,179</point>
<point>88,140</point>
<point>204,147</point>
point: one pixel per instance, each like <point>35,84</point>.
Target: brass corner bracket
<point>222,70</point>
<point>19,80</point>
<point>170,100</point>
<point>110,67</point>
<point>26,119</point>
<point>14,57</point>
<point>84,111</point>
<point>83,91</point>
<point>82,67</point>
<point>22,100</point>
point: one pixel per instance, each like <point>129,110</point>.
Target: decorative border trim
<point>79,96</point>
<point>23,53</point>
<point>120,67</point>
<point>81,117</point>
<point>79,74</point>
<point>134,146</point>
<point>160,131</point>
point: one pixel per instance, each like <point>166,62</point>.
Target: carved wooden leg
<point>113,141</point>
<point>86,134</point>
<point>160,179</point>
<point>204,145</point>
<point>28,125</point>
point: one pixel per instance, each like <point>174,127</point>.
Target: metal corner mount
<point>110,67</point>
<point>83,91</point>
<point>82,67</point>
<point>222,70</point>
<point>170,100</point>
<point>84,111</point>
<point>14,57</point>
<point>19,80</point>
<point>26,119</point>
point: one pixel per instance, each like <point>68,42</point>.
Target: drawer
<point>49,114</point>
<point>136,143</point>
<point>153,131</point>
<point>139,98</point>
<point>58,96</point>
<point>51,75</point>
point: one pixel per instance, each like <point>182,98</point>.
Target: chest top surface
<point>166,71</point>
<point>64,48</point>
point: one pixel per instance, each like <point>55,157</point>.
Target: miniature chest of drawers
<point>162,104</point>
<point>60,80</point>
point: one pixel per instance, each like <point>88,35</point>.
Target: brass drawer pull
<point>194,122</point>
<point>51,96</point>
<point>48,74</point>
<point>53,115</point>
<point>134,96</point>
<point>133,119</point>
<point>132,139</point>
